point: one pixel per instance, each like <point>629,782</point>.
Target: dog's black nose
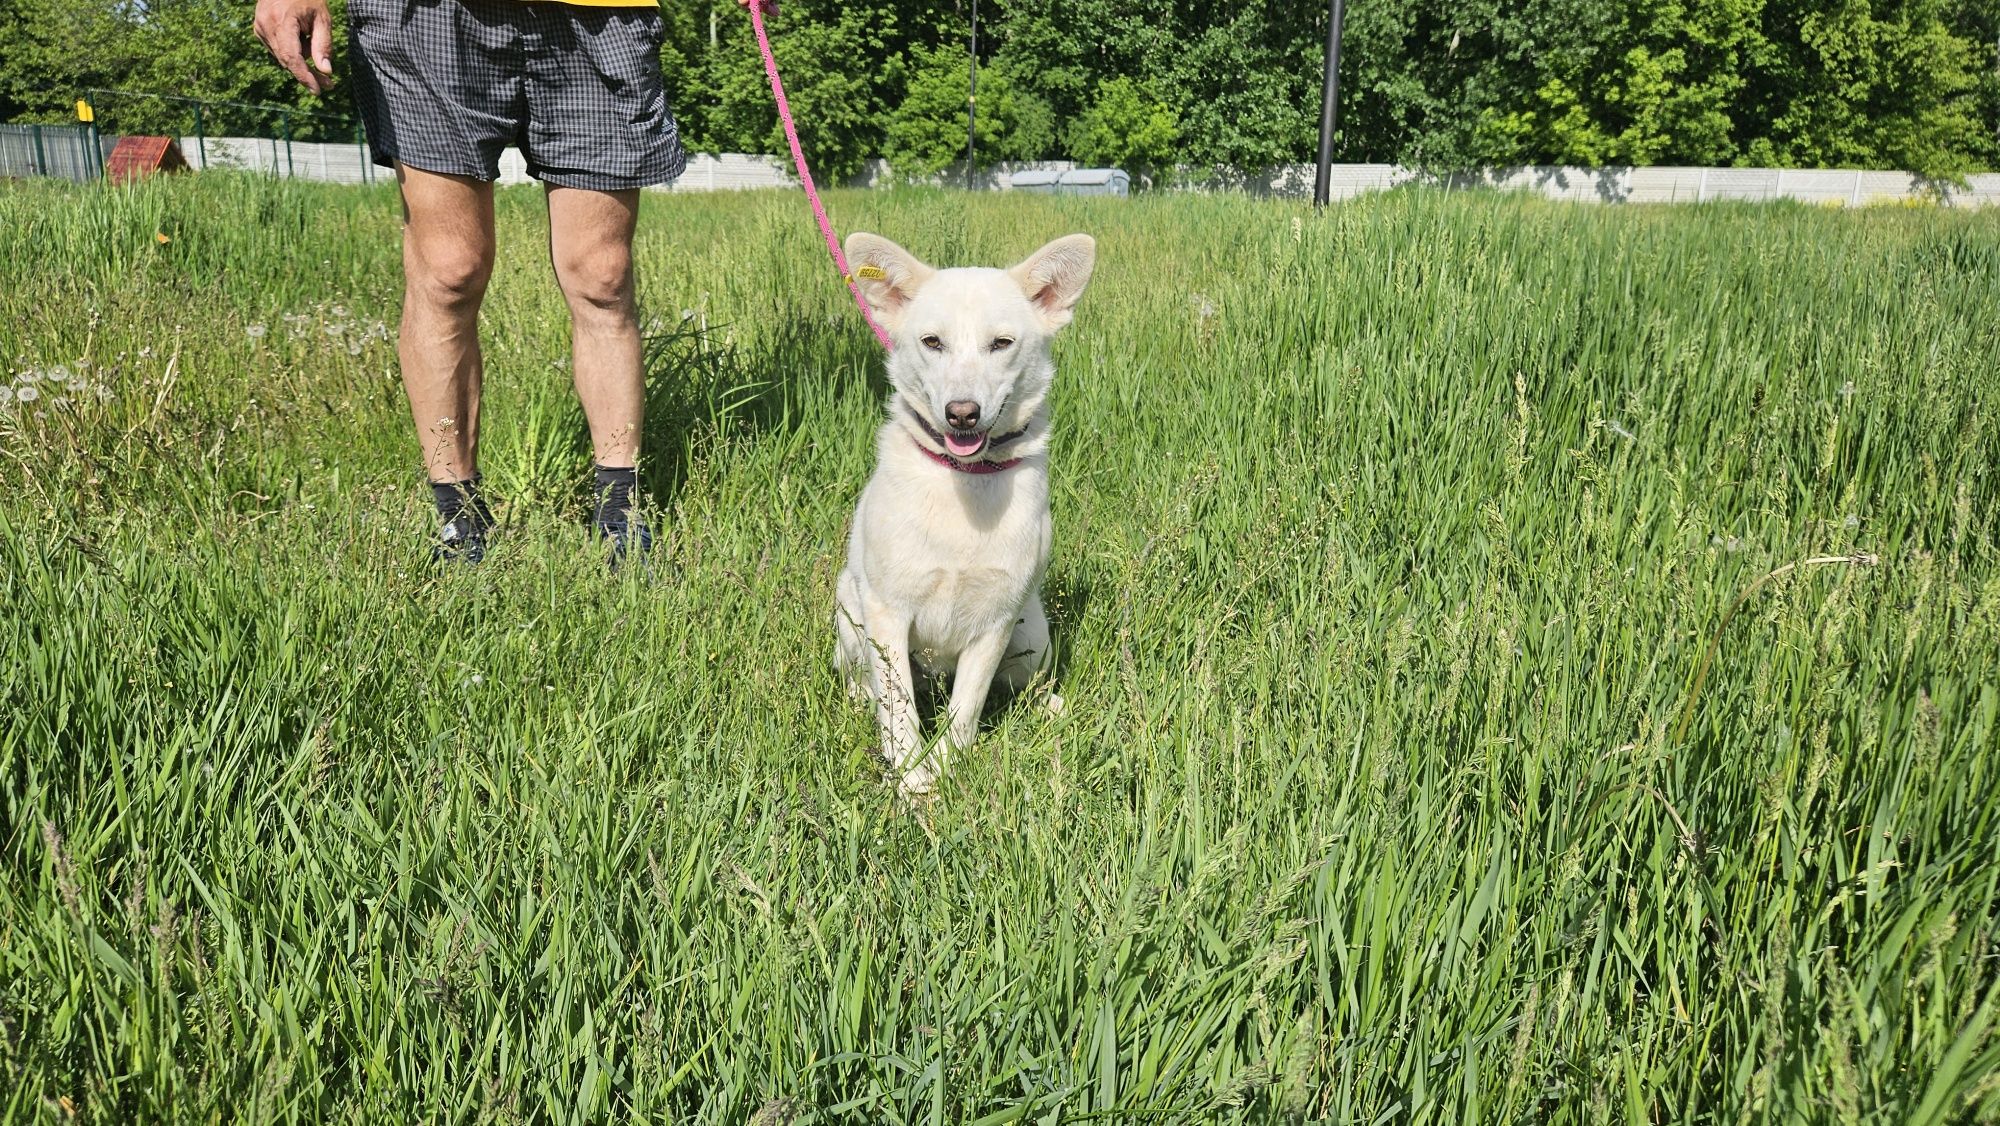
<point>963,414</point>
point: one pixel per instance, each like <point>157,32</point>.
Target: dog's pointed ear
<point>1054,276</point>
<point>888,275</point>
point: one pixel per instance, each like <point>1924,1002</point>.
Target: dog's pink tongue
<point>964,445</point>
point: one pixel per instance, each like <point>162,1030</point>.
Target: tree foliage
<point>1126,126</point>
<point>51,51</point>
<point>1434,83</point>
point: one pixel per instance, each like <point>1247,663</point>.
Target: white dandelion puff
<point>27,394</point>
<point>255,331</point>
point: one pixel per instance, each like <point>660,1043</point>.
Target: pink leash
<point>805,174</point>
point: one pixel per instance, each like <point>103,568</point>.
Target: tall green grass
<point>1389,543</point>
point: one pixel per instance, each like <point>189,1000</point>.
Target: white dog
<point>944,564</point>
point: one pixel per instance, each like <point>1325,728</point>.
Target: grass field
<point>1393,786</point>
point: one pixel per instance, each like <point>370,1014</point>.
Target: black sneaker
<point>467,520</point>
<point>616,514</point>
<point>630,536</point>
<point>461,540</point>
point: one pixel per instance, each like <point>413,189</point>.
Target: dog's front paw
<point>918,781</point>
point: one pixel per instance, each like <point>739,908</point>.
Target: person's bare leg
<point>447,259</point>
<point>590,242</point>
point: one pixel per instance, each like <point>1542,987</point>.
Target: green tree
<point>1126,126</point>
<point>187,48</point>
<point>843,66</point>
<point>926,132</point>
<point>1869,83</point>
<point>1431,83</point>
<point>1656,81</point>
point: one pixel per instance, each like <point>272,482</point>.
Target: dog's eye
<point>1000,344</point>
<point>933,343</point>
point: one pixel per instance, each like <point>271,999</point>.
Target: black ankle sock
<point>615,489</point>
<point>461,498</point>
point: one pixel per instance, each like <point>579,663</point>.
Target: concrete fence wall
<point>333,163</point>
<point>54,150</point>
<point>1841,187</point>
<point>61,151</point>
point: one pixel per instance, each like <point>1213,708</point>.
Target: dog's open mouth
<point>962,444</point>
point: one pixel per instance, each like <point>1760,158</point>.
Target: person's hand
<point>768,7</point>
<point>298,31</point>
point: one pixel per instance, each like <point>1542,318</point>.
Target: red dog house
<point>134,157</point>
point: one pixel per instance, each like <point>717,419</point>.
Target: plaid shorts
<point>445,85</point>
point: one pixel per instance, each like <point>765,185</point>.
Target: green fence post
<point>41,160</point>
<point>361,146</point>
<point>286,121</point>
<point>200,137</point>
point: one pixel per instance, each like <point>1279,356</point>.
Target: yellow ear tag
<point>872,273</point>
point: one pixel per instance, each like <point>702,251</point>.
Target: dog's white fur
<point>944,568</point>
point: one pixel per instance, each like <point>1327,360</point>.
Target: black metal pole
<point>1329,101</point>
<point>971,92</point>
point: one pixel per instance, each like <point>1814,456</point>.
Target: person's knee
<point>599,283</point>
<point>452,275</point>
